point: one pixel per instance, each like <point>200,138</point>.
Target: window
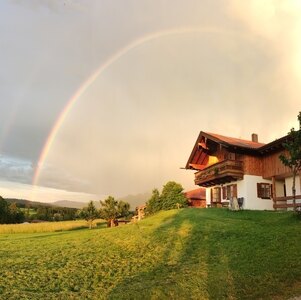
<point>216,194</point>
<point>264,190</point>
<point>230,191</point>
<point>229,155</point>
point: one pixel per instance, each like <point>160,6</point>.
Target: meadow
<point>178,254</point>
<point>44,226</point>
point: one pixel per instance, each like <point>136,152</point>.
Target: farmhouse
<point>245,169</point>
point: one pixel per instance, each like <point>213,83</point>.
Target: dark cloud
<point>16,170</point>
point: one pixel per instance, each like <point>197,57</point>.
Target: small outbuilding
<point>196,198</point>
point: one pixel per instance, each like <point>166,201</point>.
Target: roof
<point>236,144</point>
<point>199,193</point>
<point>233,141</point>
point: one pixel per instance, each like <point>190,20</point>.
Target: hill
<point>134,201</point>
<point>23,202</point>
<point>178,254</point>
<point>70,204</point>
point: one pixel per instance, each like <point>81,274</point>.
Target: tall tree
<point>293,157</point>
<point>111,209</point>
<point>3,211</point>
<point>154,204</point>
<point>123,208</point>
<point>89,213</point>
<point>172,196</point>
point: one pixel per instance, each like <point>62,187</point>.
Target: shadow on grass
<point>186,269</point>
<point>214,254</point>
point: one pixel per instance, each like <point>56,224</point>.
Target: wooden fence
<point>284,202</point>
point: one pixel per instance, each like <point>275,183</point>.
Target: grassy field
<point>44,226</point>
<point>179,254</point>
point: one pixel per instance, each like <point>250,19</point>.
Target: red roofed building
<point>244,169</point>
<point>196,198</point>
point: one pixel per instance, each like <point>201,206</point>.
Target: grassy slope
<point>186,254</point>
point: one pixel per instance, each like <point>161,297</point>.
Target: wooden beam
<point>274,190</point>
<point>286,205</point>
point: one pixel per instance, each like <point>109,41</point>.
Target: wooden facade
<point>272,166</point>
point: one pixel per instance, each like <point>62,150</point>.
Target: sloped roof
<point>234,141</point>
<point>238,145</point>
<point>199,193</point>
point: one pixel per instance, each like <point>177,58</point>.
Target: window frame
<point>264,190</point>
<point>216,195</point>
<point>229,191</point>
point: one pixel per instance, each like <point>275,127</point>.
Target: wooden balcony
<point>220,173</point>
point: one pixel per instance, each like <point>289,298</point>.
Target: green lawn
<point>179,254</point>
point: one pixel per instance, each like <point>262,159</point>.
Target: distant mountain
<point>70,204</point>
<point>136,200</point>
<point>23,202</point>
<point>63,203</point>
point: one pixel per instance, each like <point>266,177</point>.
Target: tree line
<point>10,213</point>
<point>111,210</point>
<point>13,213</point>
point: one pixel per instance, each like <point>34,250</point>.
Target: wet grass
<point>179,254</point>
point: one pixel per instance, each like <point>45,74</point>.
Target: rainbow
<point>116,56</point>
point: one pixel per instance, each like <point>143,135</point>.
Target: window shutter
<point>211,195</point>
<point>235,190</point>
<point>259,190</point>
<point>271,191</point>
<point>219,194</point>
<point>224,192</point>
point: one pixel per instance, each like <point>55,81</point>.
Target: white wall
<point>289,192</point>
<point>289,185</point>
<point>208,196</point>
<point>279,188</point>
<point>247,188</point>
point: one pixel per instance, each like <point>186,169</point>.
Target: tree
<point>123,208</point>
<point>10,213</point>
<point>293,157</point>
<point>154,204</point>
<point>3,211</point>
<point>15,214</point>
<point>111,210</point>
<point>89,213</point>
<point>172,196</point>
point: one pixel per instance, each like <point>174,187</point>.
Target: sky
<point>104,97</point>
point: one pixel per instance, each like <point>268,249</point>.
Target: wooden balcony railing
<point>219,173</point>
<point>282,202</point>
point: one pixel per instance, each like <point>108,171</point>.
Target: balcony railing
<point>286,202</point>
<point>220,173</point>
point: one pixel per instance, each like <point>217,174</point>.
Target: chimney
<point>254,137</point>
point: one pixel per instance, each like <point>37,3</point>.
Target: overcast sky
<point>226,66</point>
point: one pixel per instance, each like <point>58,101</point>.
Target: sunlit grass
<point>44,227</point>
<point>179,254</point>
